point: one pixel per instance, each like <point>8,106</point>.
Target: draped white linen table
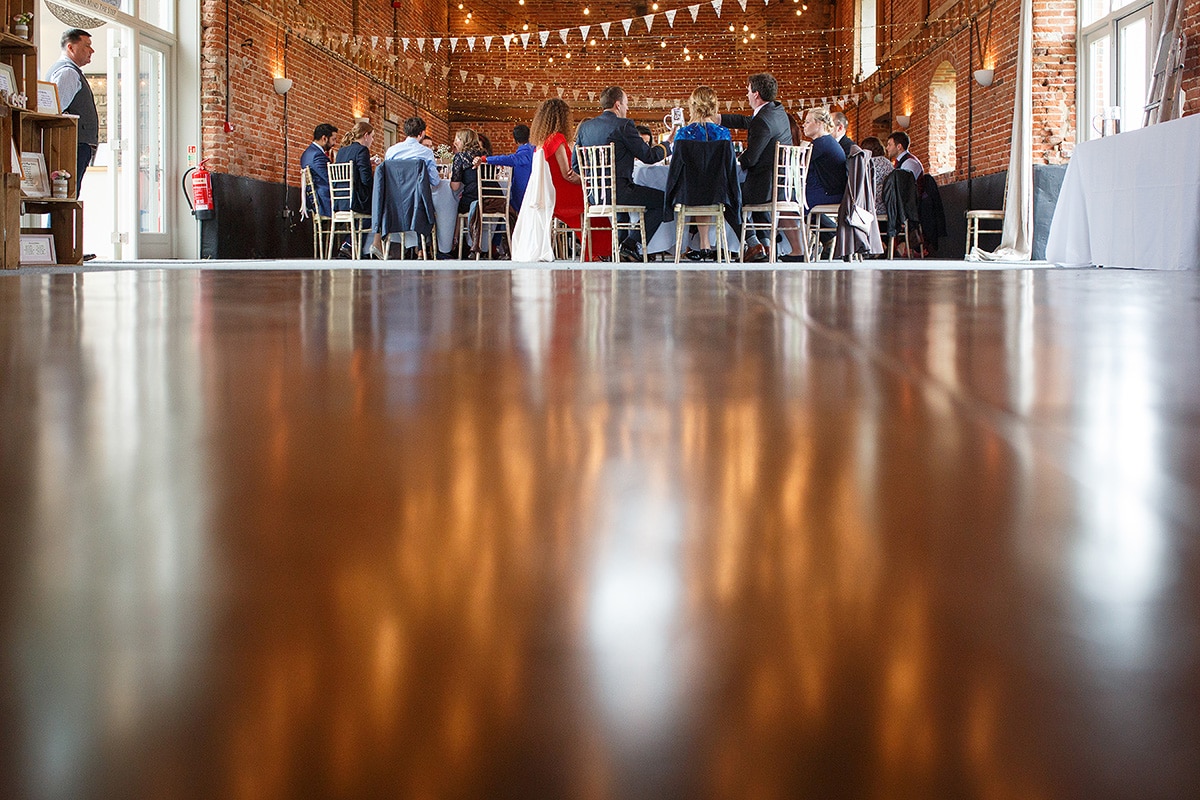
<point>1131,200</point>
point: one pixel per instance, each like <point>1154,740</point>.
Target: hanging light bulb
<point>525,27</point>
<point>568,54</point>
<point>745,28</point>
<point>701,56</point>
<point>798,12</point>
<point>686,51</point>
<point>654,7</point>
<point>731,27</point>
<point>626,60</point>
<point>754,36</point>
<point>745,40</point>
<point>586,11</point>
<point>460,6</point>
<point>662,44</point>
<point>687,58</point>
<point>592,43</point>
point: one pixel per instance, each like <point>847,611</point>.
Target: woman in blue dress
<point>704,127</point>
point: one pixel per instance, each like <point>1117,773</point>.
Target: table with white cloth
<point>654,176</point>
<point>1131,200</point>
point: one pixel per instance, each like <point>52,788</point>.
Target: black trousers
<point>629,193</point>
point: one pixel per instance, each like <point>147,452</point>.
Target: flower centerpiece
<point>444,154</point>
<point>58,182</point>
<point>21,24</point>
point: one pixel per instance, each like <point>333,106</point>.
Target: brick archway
<point>943,92</point>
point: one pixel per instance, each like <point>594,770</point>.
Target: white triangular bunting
<point>694,10</point>
<point>479,79</point>
<point>462,73</point>
<point>421,45</point>
<point>625,23</point>
<point>374,42</point>
<point>575,94</point>
<point>742,3</point>
<point>512,85</point>
<point>649,20</point>
<point>591,97</point>
<point>428,67</point>
<point>404,44</point>
<point>562,34</point>
<point>670,15</point>
<point>545,89</point>
<point>560,92</point>
<point>445,72</point>
<point>583,31</point>
<point>604,26</point>
<point>716,4</point>
<point>436,44</point>
<point>528,88</point>
<point>525,40</point>
<point>543,36</point>
<point>728,104</point>
<point>487,43</point>
<point>388,42</point>
<point>345,38</point>
<point>408,63</point>
<point>471,43</point>
<point>789,105</point>
<point>453,43</point>
<point>496,82</point>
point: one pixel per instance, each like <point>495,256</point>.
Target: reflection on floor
<point>535,533</point>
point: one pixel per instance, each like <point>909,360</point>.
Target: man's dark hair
<point>72,37</point>
<point>900,138</point>
<point>764,83</point>
<point>323,130</point>
<point>414,126</point>
<point>644,131</point>
<point>610,97</point>
<point>521,134</point>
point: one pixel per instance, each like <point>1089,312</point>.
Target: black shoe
<point>446,256</point>
<point>89,256</point>
<point>790,259</point>
<point>344,252</point>
<point>630,254</point>
<point>755,254</point>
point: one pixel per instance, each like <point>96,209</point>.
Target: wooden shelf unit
<point>55,136</point>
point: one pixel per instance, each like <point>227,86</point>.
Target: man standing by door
<point>75,95</point>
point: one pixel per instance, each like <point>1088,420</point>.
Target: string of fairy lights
<point>564,53</point>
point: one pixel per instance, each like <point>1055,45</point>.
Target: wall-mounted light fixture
<point>902,120</point>
<point>879,97</point>
<point>283,85</point>
<point>984,77</point>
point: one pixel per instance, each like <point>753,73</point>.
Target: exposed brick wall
<point>332,81</point>
<point>811,55</point>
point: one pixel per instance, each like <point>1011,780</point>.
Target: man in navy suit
<point>316,157</point>
<point>612,126</point>
<point>766,126</point>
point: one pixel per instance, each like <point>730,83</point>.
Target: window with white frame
<point>1114,61</point>
<point>864,38</point>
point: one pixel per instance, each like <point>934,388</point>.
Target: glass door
<point>153,227</point>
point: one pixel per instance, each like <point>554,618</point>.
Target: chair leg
<point>645,241</point>
<point>678,234</point>
<point>774,238</point>
<point>616,247</point>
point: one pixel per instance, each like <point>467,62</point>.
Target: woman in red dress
<point>549,131</point>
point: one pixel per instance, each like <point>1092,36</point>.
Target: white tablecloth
<point>1132,200</point>
<point>445,212</point>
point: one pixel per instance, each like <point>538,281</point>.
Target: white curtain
<point>1016,243</point>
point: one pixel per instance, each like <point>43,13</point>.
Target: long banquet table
<point>1132,200</point>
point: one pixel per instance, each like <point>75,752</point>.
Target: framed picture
<point>16,161</point>
<point>47,99</point>
<point>38,248</point>
<point>34,180</point>
<point>8,80</point>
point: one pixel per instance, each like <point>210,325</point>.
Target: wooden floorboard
<point>536,533</point>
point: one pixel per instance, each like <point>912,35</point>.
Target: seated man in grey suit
<point>612,126</point>
<point>766,126</point>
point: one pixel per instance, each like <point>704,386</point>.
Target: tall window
<point>864,38</point>
<point>1114,61</point>
<point>943,94</point>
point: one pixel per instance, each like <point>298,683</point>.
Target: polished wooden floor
<point>600,535</point>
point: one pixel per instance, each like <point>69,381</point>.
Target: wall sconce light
<point>984,77</point>
<point>879,97</point>
<point>362,119</point>
<point>902,120</point>
<point>283,85</point>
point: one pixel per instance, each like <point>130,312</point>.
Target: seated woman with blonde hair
<point>705,126</point>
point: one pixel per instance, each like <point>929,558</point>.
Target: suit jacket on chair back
<point>764,129</point>
<point>403,201</point>
<point>608,127</point>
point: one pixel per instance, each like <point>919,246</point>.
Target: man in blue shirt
<point>411,147</point>
<point>316,158</point>
<point>521,163</point>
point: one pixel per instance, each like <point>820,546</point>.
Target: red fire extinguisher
<point>199,193</point>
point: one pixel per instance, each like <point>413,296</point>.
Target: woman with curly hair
<point>549,130</point>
